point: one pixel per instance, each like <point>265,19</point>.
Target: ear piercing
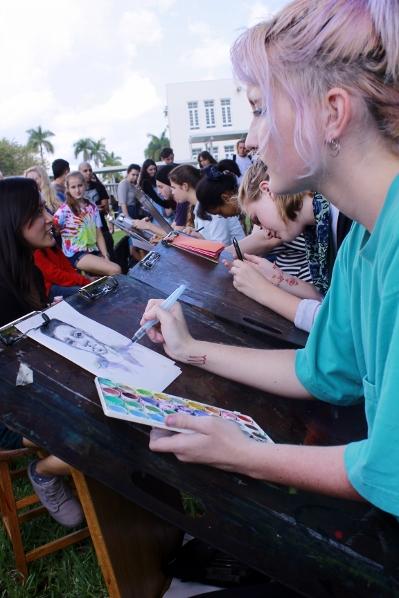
<point>334,146</point>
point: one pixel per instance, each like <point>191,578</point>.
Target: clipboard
<point>148,205</point>
<point>139,239</point>
<point>98,288</point>
<point>9,333</point>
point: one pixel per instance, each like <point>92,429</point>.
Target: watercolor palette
<point>151,408</point>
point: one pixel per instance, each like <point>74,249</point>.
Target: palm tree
<point>110,159</point>
<point>98,151</point>
<point>38,141</point>
<point>84,146</point>
<point>155,145</point>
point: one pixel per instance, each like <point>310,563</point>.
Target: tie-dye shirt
<point>78,233</point>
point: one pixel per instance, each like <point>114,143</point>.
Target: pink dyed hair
<point>314,45</point>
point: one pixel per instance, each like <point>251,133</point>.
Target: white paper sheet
<point>99,349</point>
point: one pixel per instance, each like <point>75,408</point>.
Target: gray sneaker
<point>58,499</point>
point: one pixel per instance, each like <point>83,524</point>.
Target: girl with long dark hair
<point>26,225</point>
<point>148,183</point>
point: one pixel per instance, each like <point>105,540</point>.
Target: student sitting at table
<point>61,279</point>
<point>181,210</point>
<point>164,189</point>
<point>148,183</point>
<point>190,185</point>
<point>78,221</point>
<point>323,83</point>
<point>183,181</point>
<point>127,191</point>
<point>25,226</point>
<point>286,217</point>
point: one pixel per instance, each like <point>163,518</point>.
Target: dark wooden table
<point>210,288</point>
<point>320,546</point>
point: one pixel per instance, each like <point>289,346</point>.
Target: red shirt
<point>57,269</point>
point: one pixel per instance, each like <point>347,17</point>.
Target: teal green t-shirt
<point>353,351</point>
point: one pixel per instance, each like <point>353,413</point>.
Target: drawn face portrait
<point>99,349</point>
<point>76,338</point>
<point>79,339</point>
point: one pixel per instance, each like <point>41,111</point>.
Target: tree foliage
<point>91,149</point>
<point>155,145</point>
<point>15,158</point>
<point>111,159</point>
<point>38,142</point>
<point>83,146</point>
<point>98,151</point>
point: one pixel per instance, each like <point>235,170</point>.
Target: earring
<point>334,146</point>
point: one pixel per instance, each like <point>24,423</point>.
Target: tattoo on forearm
<point>197,359</point>
<point>278,277</point>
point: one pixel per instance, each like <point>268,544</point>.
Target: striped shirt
<point>291,258</point>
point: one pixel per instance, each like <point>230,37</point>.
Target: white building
<point>206,115</point>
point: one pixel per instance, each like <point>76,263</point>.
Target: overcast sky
<point>85,68</point>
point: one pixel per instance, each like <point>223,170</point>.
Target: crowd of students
<point>327,138</point>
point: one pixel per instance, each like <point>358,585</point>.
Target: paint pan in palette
<point>151,408</point>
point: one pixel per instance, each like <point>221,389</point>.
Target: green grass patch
<point>117,235</point>
<point>72,572</point>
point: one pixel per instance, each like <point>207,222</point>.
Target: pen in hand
<point>167,304</point>
<point>237,249</point>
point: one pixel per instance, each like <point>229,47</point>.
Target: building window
<point>226,112</point>
<point>229,151</point>
<point>195,151</point>
<point>209,114</point>
<point>193,115</point>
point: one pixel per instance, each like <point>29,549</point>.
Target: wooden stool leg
<point>10,518</point>
<point>131,544</point>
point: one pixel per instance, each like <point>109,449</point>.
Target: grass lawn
<point>117,235</point>
<point>71,572</point>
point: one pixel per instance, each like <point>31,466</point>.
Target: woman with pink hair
<point>323,83</point>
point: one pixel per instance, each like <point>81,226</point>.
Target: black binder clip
<point>9,334</point>
<point>99,288</point>
<point>170,238</point>
<point>149,261</point>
